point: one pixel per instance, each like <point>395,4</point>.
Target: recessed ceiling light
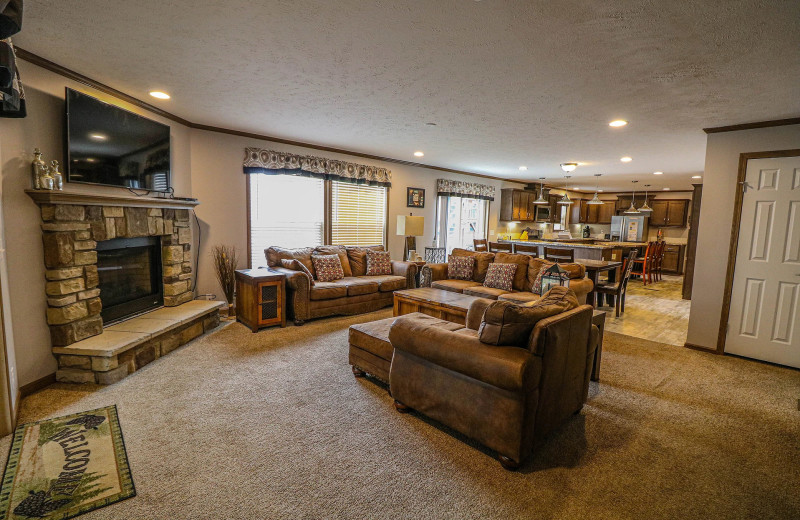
<point>419,154</point>
<point>617,123</point>
<point>626,159</point>
<point>601,191</point>
<point>158,94</point>
<point>658,173</point>
<point>523,168</point>
<point>697,176</point>
<point>98,137</point>
<point>666,189</point>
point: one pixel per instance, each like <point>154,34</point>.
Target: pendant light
<point>632,210</point>
<point>565,200</point>
<point>645,208</point>
<point>541,200</point>
<point>596,199</point>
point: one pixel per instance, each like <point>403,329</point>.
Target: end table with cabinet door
<point>260,295</point>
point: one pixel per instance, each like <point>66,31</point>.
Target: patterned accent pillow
<point>500,276</point>
<point>328,267</point>
<point>536,288</point>
<point>378,262</point>
<point>296,265</point>
<point>460,267</point>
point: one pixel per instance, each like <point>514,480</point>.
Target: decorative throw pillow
<point>328,267</point>
<point>460,267</point>
<point>537,284</point>
<point>508,324</point>
<point>378,262</point>
<point>297,265</point>
<point>500,276</point>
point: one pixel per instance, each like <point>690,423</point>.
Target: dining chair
<point>659,259</point>
<point>480,244</point>
<point>618,289</point>
<point>496,247</point>
<point>525,249</point>
<point>643,266</point>
<point>558,255</point>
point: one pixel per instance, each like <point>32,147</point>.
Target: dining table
<point>593,270</point>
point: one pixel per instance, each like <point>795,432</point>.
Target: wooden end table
<point>260,295</point>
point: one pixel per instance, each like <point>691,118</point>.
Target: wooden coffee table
<point>445,305</point>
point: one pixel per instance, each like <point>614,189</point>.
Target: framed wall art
<point>416,197</point>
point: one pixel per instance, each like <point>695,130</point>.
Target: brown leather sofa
<point>506,397</point>
<point>435,276</point>
<point>356,293</point>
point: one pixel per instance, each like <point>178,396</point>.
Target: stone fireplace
<point>109,258</point>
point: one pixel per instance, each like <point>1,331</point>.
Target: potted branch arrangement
<point>225,263</point>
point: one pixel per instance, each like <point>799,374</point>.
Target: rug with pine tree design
<point>63,467</point>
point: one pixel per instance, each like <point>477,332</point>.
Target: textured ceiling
<point>508,83</point>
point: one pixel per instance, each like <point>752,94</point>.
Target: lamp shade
<point>410,226</point>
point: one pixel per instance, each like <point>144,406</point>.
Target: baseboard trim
<point>701,349</point>
<point>35,386</point>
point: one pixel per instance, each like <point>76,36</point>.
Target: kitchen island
<point>586,249</point>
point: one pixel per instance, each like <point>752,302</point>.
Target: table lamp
<point>410,227</point>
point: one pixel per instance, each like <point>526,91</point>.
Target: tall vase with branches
<point>225,263</point>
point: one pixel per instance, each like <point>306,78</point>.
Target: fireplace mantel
<point>95,199</point>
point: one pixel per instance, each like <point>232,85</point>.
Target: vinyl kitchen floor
<point>655,312</point>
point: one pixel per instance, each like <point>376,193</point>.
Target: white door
<point>764,320</point>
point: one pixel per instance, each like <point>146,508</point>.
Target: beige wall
<point>43,128</point>
<point>220,186</point>
<point>716,214</point>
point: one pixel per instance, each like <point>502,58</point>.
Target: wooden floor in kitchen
<point>655,312</point>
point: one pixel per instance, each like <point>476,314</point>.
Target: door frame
<point>734,243</point>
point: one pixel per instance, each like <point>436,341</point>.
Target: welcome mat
<point>61,468</point>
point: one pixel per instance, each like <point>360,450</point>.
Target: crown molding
<point>750,126</point>
<point>44,63</point>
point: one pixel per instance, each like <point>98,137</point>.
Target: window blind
<point>285,211</point>
<point>358,214</point>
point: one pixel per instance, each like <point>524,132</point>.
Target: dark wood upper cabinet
<point>605,212</point>
<point>517,205</point>
<point>669,213</point>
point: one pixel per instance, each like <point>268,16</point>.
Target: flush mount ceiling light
<point>569,166</point>
<point>98,137</point>
<point>565,200</point>
<point>645,208</point>
<point>617,123</point>
<point>632,210</point>
<point>626,159</point>
<point>658,173</point>
<point>419,154</point>
<point>596,199</point>
<point>523,168</point>
<point>159,95</point>
<point>697,176</point>
<point>541,200</point>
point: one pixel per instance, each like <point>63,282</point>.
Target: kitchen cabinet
<point>517,205</point>
<point>591,213</point>
<point>669,213</point>
<point>555,208</point>
<point>673,258</point>
<point>605,212</point>
<point>577,212</point>
<point>624,203</point>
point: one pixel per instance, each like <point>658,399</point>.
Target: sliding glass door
<point>462,220</point>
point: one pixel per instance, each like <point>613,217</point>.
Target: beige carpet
<point>273,425</point>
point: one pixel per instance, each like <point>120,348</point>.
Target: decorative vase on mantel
<point>38,170</point>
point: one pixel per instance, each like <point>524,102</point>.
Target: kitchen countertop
<point>564,243</point>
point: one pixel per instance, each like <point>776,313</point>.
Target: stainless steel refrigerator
<point>629,228</point>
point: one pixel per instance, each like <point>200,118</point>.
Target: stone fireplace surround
<point>72,224</point>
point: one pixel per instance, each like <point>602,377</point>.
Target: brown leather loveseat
<point>356,293</point>
<point>435,276</point>
<point>508,393</point>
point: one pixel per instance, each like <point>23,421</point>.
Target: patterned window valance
<point>471,190</point>
<point>257,160</point>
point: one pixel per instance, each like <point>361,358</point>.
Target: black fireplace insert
<point>130,276</point>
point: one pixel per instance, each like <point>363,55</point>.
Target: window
<point>461,220</point>
<point>290,211</point>
<point>285,211</point>
<point>358,214</point>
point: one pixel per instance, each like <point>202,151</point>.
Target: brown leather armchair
<point>506,397</point>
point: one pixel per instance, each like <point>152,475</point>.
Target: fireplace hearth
<point>129,271</point>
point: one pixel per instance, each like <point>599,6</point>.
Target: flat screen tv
<point>109,145</point>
